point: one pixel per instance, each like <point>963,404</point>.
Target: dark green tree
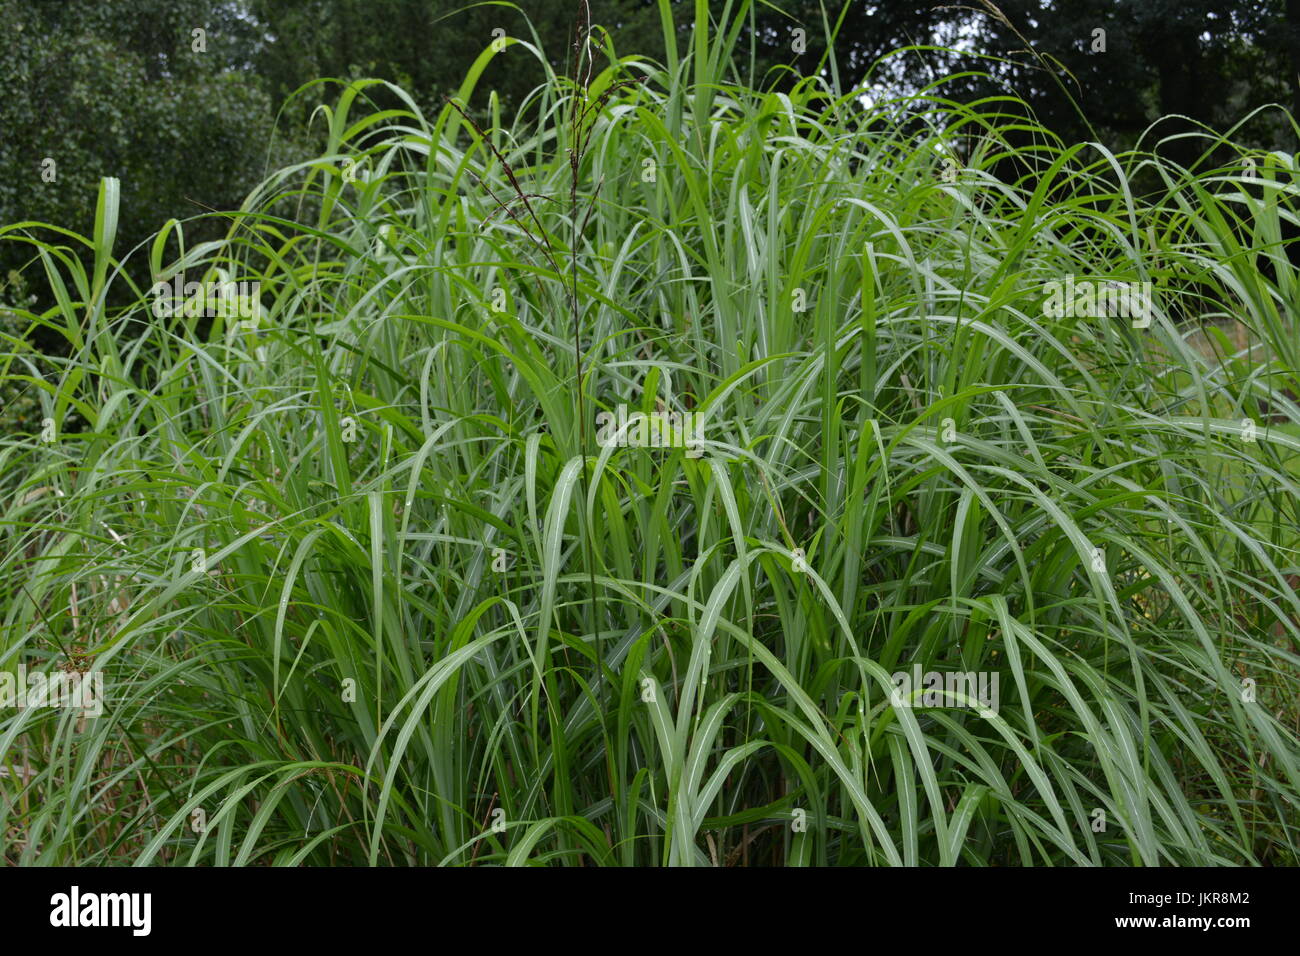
<point>126,88</point>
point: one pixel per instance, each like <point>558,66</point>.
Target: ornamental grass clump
<point>379,572</point>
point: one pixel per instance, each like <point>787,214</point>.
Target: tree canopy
<point>137,88</point>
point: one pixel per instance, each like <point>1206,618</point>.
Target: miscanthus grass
<point>366,582</point>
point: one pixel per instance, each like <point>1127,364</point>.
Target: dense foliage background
<point>116,88</point>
